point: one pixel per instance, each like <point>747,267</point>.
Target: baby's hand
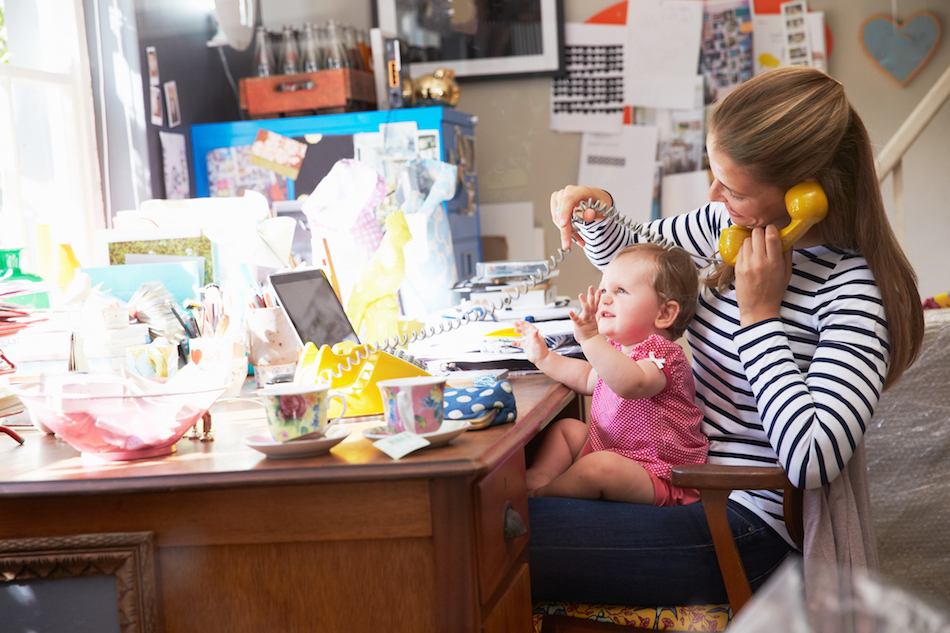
<point>532,342</point>
<point>585,324</point>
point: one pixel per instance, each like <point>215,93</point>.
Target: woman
<point>791,350</point>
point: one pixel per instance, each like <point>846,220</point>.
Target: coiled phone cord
<point>390,344</point>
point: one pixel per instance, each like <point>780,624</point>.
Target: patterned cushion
<point>708,617</point>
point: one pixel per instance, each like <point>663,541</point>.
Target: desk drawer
<point>501,522</point>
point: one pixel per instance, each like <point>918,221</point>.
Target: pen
<point>180,320</point>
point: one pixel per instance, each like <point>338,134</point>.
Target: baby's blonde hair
<point>675,279</point>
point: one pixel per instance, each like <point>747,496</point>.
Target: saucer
<point>265,443</point>
<point>449,430</point>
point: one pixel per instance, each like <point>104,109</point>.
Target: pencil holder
<point>271,338</point>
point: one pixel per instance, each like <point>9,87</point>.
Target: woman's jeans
<point>604,552</point>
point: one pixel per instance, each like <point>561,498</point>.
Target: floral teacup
<point>413,404</point>
<point>295,411</point>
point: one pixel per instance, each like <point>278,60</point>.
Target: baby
<point>643,417</point>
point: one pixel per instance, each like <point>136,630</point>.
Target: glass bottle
<point>352,48</point>
<point>311,52</point>
<point>336,51</point>
<point>362,41</point>
<point>264,65</point>
<point>289,54</point>
<point>323,45</point>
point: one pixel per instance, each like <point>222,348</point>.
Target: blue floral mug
<point>299,411</point>
<point>413,404</point>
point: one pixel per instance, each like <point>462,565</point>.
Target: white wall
<point>884,106</point>
<point>521,160</point>
<point>276,13</point>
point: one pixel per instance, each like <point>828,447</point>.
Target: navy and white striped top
<point>797,391</point>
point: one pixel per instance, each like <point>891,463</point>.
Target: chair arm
<point>723,477</point>
<point>715,482</point>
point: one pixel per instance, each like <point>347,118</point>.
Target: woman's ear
<point>666,316</point>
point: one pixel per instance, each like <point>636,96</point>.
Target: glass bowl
<point>119,427</point>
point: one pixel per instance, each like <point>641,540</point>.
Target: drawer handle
<point>514,524</point>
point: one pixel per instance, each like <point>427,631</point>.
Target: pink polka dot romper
<point>657,432</point>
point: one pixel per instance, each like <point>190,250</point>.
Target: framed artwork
<point>478,38</point>
<point>81,574</point>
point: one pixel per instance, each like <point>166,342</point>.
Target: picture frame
<point>128,557</point>
<point>526,41</point>
<point>162,245</point>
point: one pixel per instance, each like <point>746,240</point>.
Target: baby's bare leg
<point>603,475</point>
<point>562,444</point>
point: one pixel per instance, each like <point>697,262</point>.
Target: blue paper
<point>181,279</point>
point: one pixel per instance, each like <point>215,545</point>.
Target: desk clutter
<point>194,296</point>
<point>129,382</point>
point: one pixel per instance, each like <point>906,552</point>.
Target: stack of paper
<point>511,284</point>
<point>13,319</point>
<point>21,288</point>
<point>9,403</point>
<point>467,347</point>
<point>45,345</point>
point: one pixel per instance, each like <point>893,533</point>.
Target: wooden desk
<point>349,541</point>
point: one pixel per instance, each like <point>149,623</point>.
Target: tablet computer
<point>312,307</point>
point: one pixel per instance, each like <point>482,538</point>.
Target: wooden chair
<point>714,483</point>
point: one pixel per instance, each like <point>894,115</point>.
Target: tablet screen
<point>311,305</point>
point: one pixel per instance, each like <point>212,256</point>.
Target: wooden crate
<point>337,90</point>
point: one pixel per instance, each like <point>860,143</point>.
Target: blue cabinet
<point>456,140</point>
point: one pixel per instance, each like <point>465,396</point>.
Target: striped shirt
<point>797,391</point>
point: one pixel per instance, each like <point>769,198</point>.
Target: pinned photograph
<point>171,103</point>
<point>278,153</point>
<point>152,55</point>
<point>158,117</point>
<point>427,144</point>
<point>796,32</point>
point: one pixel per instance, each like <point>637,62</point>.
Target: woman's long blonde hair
<point>794,123</point>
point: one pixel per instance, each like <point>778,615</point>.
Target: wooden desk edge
<point>553,398</point>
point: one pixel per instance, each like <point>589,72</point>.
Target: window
<point>49,169</point>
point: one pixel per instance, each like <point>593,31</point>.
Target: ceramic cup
<point>294,411</point>
<point>413,404</point>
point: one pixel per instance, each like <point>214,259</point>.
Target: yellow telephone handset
<point>353,370</point>
<point>807,205</point>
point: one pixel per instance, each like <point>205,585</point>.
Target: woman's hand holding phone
<point>763,270</point>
